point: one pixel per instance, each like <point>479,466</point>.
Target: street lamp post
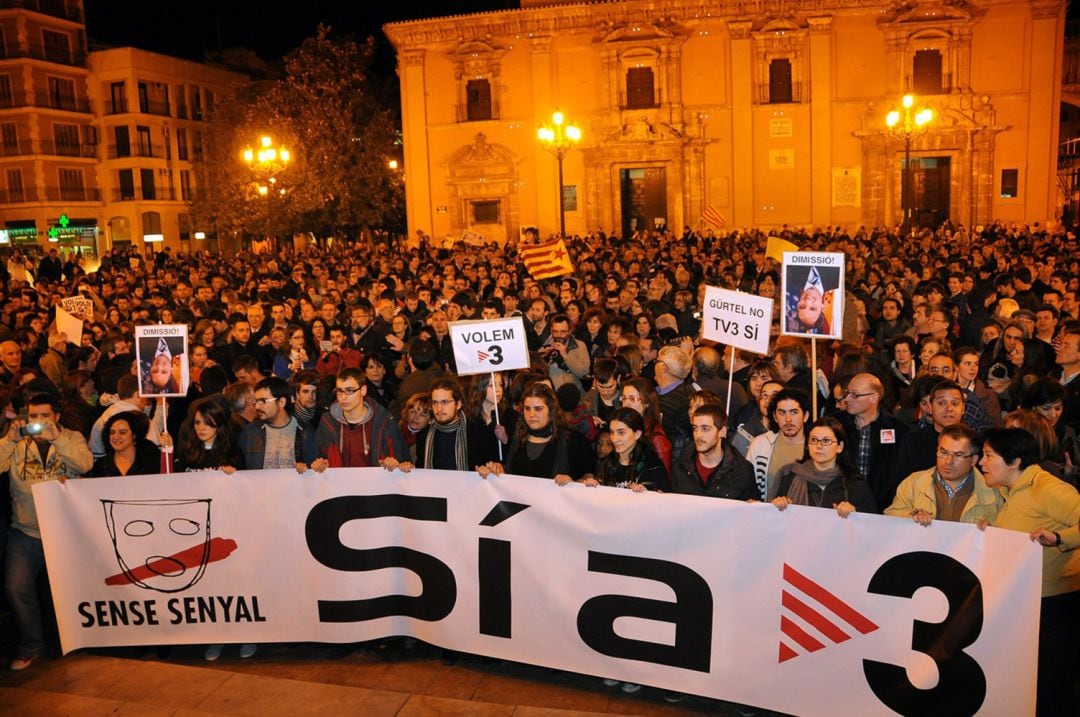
<point>265,162</point>
<point>906,124</point>
<point>559,138</point>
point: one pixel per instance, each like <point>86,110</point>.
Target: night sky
<point>188,28</point>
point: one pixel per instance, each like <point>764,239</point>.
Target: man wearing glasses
<point>275,439</point>
<point>953,490</point>
<point>873,435</point>
<point>356,432</point>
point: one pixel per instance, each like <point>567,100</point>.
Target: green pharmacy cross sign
<point>63,221</point>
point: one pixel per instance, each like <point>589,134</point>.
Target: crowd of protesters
<point>953,394</point>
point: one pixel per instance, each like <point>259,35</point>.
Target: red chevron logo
<point>821,617</point>
<point>481,356</point>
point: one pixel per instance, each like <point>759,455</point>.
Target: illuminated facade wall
<point>95,147</point>
<point>770,114</point>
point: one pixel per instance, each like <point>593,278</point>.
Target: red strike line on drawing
<point>220,548</point>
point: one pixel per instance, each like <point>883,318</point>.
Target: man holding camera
<point>34,450</point>
<point>568,359</point>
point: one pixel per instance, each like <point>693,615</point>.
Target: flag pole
<point>813,377</point>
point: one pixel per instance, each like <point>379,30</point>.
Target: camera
<point>31,429</point>
<point>998,372</point>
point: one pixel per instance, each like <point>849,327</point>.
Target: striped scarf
<point>461,444</point>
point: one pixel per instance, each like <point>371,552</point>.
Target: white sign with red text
<point>489,345</point>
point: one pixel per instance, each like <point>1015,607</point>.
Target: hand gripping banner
<point>799,611</point>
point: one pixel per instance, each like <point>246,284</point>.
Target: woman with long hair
<point>748,422</point>
<point>295,354</point>
<point>825,478</point>
<point>486,398</point>
<point>544,445</point>
<point>206,439</point>
<point>633,463</point>
<point>639,394</point>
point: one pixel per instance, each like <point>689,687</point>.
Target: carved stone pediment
<point>476,58</point>
<point>911,18</point>
<point>482,159</point>
<point>636,32</point>
<point>643,129</point>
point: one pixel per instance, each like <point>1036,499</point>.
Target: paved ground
<point>315,680</point>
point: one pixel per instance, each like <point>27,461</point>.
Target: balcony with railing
<point>153,193</point>
<point>153,107</point>
<point>18,196</point>
<point>765,94</point>
<point>89,151</point>
<point>67,103</point>
<point>923,86</point>
<point>72,194</point>
<point>59,55</point>
<point>16,149</point>
<point>153,151</point>
<point>55,8</point>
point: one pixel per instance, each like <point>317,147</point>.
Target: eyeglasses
<point>444,402</point>
<point>269,399</point>
<point>826,442</point>
<point>346,391</point>
<point>953,455</point>
<point>851,394</point>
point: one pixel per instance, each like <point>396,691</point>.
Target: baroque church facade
<point>764,112</point>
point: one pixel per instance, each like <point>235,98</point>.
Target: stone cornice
<point>593,17</point>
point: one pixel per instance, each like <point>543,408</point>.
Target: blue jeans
<point>25,560</point>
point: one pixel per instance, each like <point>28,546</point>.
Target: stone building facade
<point>772,112</point>
<point>97,147</point>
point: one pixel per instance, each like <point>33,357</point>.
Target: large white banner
<point>799,611</point>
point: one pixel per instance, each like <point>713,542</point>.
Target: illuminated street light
<point>559,138</point>
<point>265,162</point>
<point>906,125</point>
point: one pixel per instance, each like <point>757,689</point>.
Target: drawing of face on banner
<point>160,545</point>
<point>813,290</point>
<point>161,353</point>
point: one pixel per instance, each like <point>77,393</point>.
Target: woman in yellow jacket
<point>1048,509</point>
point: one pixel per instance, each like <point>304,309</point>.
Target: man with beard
<point>784,443</point>
<point>275,439</point>
<point>544,446</point>
<point>711,466</point>
<point>451,441</point>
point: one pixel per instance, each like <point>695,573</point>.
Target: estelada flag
<point>776,247</point>
<point>713,216</point>
<point>547,260</point>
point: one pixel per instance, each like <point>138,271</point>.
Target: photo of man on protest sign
<point>813,290</point>
<point>161,354</point>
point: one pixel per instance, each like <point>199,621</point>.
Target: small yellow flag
<point>777,246</point>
